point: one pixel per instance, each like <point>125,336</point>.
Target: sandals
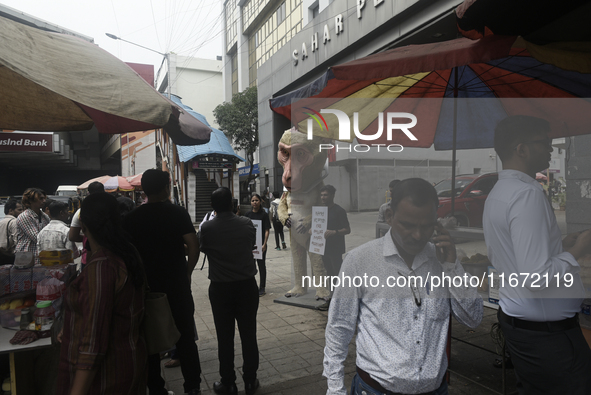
<point>173,363</point>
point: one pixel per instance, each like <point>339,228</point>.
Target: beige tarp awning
<point>57,82</point>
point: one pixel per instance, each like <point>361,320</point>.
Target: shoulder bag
<point>158,325</point>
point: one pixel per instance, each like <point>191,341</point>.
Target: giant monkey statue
<point>302,177</point>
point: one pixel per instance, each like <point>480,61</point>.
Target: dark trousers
<point>332,263</point>
<point>263,270</point>
<point>231,302</point>
<point>278,228</point>
<point>182,308</point>
<point>549,362</point>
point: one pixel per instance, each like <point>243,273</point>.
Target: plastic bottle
<point>44,316</point>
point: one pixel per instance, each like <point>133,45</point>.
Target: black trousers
<point>332,263</point>
<point>278,228</point>
<point>263,269</point>
<point>232,302</point>
<point>182,308</point>
<point>549,362</point>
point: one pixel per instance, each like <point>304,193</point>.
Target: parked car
<point>471,190</point>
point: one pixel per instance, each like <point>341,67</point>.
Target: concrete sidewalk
<point>291,339</point>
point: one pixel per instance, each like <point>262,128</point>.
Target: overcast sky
<point>185,27</point>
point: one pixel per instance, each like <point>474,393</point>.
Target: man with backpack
<point>277,225</point>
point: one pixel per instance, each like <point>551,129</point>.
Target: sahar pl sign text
<point>345,129</point>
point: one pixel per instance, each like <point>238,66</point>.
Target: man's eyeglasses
<point>546,142</point>
<point>416,295</point>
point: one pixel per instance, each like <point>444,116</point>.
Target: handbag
<point>159,329</point>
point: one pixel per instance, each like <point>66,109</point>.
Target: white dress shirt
<point>55,236</point>
<point>522,236</point>
<point>8,234</point>
<point>401,345</point>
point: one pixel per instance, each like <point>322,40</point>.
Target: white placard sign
<point>319,222</point>
<point>258,252</point>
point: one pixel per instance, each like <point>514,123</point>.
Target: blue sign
<point>243,171</point>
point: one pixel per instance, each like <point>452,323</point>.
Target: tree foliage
<point>239,119</point>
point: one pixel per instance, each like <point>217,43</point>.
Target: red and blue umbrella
<point>496,72</point>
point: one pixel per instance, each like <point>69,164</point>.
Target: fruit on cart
<point>5,306</point>
<point>16,303</point>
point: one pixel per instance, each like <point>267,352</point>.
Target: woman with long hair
<point>102,351</point>
<point>31,221</point>
<point>259,213</point>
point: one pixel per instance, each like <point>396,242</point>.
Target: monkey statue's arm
<point>283,208</point>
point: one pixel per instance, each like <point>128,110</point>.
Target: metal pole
<point>167,56</point>
<point>453,157</point>
<point>128,152</point>
<point>358,210</point>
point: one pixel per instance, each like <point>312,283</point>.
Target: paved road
<point>291,339</point>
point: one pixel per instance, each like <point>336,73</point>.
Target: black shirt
<point>337,219</point>
<point>157,231</point>
<point>264,218</point>
<point>228,241</point>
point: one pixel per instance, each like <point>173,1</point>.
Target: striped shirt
<point>28,226</point>
<point>103,312</point>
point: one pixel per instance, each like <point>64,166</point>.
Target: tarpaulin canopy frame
<point>57,82</point>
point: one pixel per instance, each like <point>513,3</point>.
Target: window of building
<point>281,13</point>
<point>231,24</point>
<point>315,11</point>
<point>234,74</point>
<point>272,33</point>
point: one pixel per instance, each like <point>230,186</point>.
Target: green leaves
<point>239,119</point>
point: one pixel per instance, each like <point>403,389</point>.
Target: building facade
<point>283,45</point>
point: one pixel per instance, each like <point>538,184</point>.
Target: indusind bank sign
<point>26,142</point>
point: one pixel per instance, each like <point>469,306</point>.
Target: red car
<point>471,190</point>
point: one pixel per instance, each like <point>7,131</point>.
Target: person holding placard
<point>258,214</point>
<point>336,229</point>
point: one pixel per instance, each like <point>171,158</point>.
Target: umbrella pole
<point>453,155</point>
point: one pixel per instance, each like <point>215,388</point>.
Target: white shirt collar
<point>390,249</point>
<point>521,176</point>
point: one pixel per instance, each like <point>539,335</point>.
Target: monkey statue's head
<point>301,159</point>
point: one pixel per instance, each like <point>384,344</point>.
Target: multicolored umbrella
<point>496,73</point>
<point>112,184</point>
<point>136,180</point>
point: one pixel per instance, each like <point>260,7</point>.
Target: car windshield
<point>66,193</point>
<point>443,188</point>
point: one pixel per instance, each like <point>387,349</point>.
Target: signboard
<point>26,142</point>
<point>243,171</point>
<point>319,222</point>
<point>554,165</point>
<point>212,165</point>
<point>258,252</point>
